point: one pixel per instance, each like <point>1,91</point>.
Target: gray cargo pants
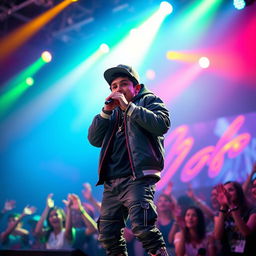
<point>123,197</point>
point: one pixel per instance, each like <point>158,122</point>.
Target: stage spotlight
<point>134,32</point>
<point>241,4</point>
<point>170,55</point>
<point>29,81</point>
<point>46,56</point>
<point>166,8</point>
<point>151,74</point>
<point>104,48</point>
<point>204,62</point>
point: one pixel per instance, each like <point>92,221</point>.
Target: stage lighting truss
<point>14,8</point>
<point>77,22</point>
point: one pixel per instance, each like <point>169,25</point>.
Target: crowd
<point>191,227</point>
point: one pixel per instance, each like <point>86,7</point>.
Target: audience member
<point>192,240</point>
<point>15,236</point>
<point>34,242</point>
<point>166,222</point>
<point>235,225</point>
<point>249,186</point>
<point>93,203</point>
<point>58,234</point>
<point>8,206</point>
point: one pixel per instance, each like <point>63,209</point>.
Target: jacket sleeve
<point>97,130</point>
<point>153,116</point>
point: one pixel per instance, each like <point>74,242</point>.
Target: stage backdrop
<point>208,153</point>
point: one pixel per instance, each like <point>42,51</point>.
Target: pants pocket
<point>142,214</point>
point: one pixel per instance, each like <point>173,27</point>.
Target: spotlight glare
<point>104,48</point>
<point>151,74</point>
<point>134,32</point>
<point>204,62</point>
<point>239,4</point>
<point>166,8</point>
<point>172,55</point>
<point>46,56</point>
<point>29,81</point>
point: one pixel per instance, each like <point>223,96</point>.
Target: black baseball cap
<point>128,71</point>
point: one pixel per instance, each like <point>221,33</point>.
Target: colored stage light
<point>239,4</point>
<point>10,97</point>
<point>166,7</point>
<point>151,74</point>
<point>104,48</point>
<point>21,35</point>
<point>182,56</point>
<point>134,32</point>
<point>46,56</point>
<point>197,18</point>
<point>30,81</point>
<point>133,48</point>
<point>204,62</point>
<point>172,55</point>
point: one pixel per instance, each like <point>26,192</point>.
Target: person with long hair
<point>59,233</point>
<point>209,211</point>
<point>235,225</point>
<point>192,240</point>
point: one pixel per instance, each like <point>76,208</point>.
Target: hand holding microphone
<point>109,101</point>
<point>116,99</point>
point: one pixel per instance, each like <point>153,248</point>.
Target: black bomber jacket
<point>146,120</point>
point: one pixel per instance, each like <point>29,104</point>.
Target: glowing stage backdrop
<point>205,154</point>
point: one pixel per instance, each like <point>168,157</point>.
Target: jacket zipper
<point>103,157</point>
<point>128,149</point>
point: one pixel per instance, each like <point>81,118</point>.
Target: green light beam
<point>8,98</point>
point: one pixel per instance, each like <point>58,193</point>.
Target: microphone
<point>108,101</point>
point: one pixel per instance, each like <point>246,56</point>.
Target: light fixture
<point>241,4</point>
<point>204,62</point>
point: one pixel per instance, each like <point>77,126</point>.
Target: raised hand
<point>222,195</point>
<point>68,202</point>
<point>87,191</point>
<point>177,215</point>
<point>9,205</point>
<point>29,210</point>
<point>49,201</point>
<point>76,202</point>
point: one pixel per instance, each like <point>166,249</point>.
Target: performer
<point>130,131</point>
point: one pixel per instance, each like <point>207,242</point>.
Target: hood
<point>143,91</point>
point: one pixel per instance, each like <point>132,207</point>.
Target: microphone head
<point>108,101</point>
